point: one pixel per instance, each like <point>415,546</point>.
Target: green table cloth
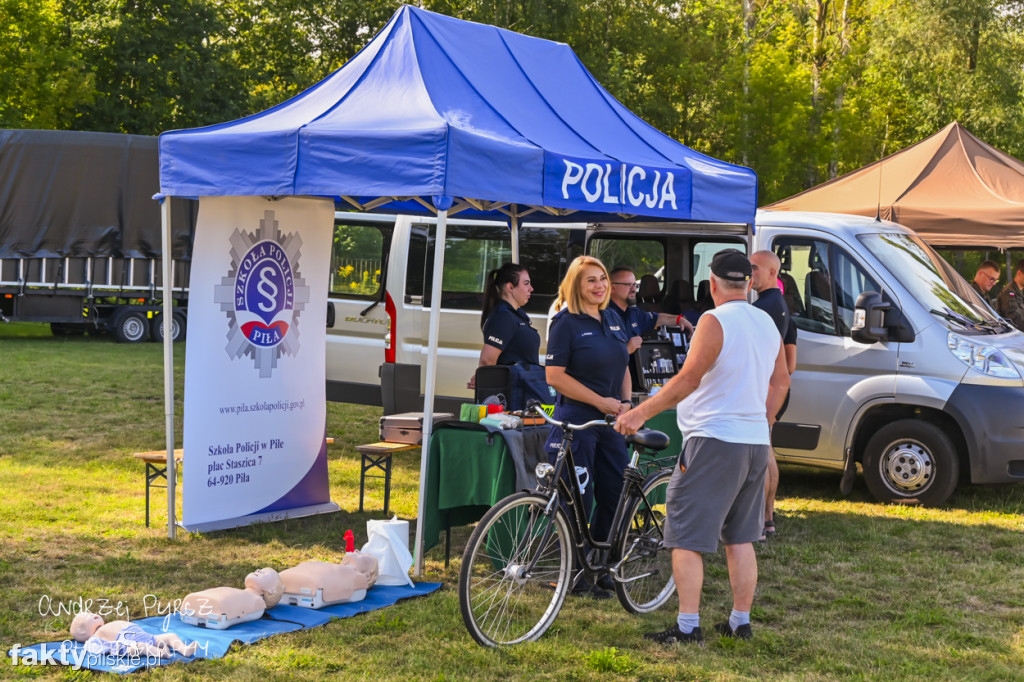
<point>470,469</point>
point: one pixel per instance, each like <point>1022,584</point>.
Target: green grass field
<point>850,589</point>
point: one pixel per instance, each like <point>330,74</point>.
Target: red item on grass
<point>350,541</point>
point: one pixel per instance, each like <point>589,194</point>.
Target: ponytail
<point>494,287</point>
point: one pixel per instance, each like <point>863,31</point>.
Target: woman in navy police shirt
<point>508,335</point>
<point>587,363</point>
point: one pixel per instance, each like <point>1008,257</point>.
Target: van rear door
<point>356,339</point>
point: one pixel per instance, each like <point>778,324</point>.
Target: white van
<point>920,382</point>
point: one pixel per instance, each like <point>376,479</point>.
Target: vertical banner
<point>255,403</point>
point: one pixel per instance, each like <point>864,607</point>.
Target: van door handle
<point>330,314</point>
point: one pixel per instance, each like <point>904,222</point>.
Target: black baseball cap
<point>731,264</point>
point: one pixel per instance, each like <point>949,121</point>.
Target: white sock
<point>687,622</point>
<point>738,618</point>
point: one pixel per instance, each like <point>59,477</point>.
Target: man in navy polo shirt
<point>637,320</point>
<point>764,278</point>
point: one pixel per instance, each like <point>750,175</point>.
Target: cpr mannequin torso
<point>220,607</point>
<point>364,563</point>
<point>339,583</point>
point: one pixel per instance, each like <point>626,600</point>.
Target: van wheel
<point>130,326</point>
<point>911,462</point>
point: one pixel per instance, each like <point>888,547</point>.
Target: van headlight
<point>988,360</point>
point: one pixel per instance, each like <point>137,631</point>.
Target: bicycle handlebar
<point>609,420</point>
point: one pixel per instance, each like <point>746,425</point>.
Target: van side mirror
<point>869,318</point>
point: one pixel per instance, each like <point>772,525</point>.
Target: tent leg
<point>168,318</point>
<point>428,392</point>
<point>513,226</point>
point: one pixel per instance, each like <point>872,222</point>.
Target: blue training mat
<point>215,643</point>
<point>307,618</point>
<point>378,597</point>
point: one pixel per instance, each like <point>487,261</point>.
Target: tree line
<point>799,90</point>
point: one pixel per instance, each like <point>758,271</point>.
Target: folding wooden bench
<point>156,468</point>
<point>378,456</point>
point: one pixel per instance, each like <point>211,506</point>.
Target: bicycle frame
<point>559,488</point>
<point>540,539</point>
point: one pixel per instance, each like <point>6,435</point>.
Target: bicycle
<point>518,565</point>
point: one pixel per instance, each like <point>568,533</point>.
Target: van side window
<point>416,264</point>
<point>820,283</point>
<point>471,251</point>
<point>850,282</point>
<point>546,252</point>
<point>645,256</point>
<point>700,267</point>
<point>357,258</point>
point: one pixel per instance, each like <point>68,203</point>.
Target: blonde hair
<point>569,294</point>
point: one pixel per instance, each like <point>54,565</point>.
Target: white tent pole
<point>428,393</point>
<point>168,318</point>
<point>513,224</point>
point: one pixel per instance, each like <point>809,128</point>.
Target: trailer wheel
<point>130,326</point>
<point>177,327</point>
<point>911,462</point>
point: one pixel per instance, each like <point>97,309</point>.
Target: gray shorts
<point>719,496</point>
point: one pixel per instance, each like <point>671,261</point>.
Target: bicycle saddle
<point>649,439</point>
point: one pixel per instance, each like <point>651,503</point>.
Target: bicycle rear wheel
<point>648,563</point>
<point>501,602</point>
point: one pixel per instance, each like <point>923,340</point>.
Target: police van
<point>901,367</point>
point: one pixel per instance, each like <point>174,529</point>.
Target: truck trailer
<point>80,242</point>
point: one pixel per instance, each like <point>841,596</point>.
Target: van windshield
<point>934,283</point>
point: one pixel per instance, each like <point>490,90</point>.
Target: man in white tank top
<point>726,396</point>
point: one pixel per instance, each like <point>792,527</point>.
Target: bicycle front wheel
<point>646,564</point>
<point>503,600</point>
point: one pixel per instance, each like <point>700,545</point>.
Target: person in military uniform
<point>1010,303</point>
<point>985,278</point>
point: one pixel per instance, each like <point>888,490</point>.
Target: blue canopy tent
<point>442,116</point>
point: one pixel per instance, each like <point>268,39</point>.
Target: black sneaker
<point>676,636</point>
<point>742,632</point>
<point>605,582</point>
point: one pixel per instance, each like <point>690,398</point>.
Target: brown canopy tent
<point>952,188</point>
